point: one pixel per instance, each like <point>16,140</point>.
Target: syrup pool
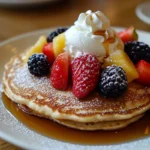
<point>135,131</point>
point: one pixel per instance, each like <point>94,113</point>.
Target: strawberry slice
<point>143,68</point>
<point>85,73</point>
<point>60,71</point>
<point>128,34</point>
<point>48,51</point>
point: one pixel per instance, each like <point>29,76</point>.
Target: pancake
<point>91,126</point>
<point>62,106</point>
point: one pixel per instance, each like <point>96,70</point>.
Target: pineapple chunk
<point>36,48</point>
<point>120,58</point>
<point>59,44</point>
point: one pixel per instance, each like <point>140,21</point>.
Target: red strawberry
<point>128,34</point>
<point>60,71</point>
<point>85,73</point>
<point>48,51</point>
<point>143,68</point>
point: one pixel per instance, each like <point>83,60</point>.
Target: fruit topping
<point>113,82</point>
<point>137,51</point>
<point>59,44</point>
<point>128,34</point>
<point>120,58</point>
<point>37,48</point>
<point>85,74</point>
<point>48,51</point>
<point>38,65</point>
<point>55,33</point>
<point>60,71</point>
<point>143,68</point>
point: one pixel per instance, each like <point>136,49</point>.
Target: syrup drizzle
<point>137,130</point>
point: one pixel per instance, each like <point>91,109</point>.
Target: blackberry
<point>113,82</point>
<point>137,51</point>
<point>38,65</point>
<point>55,33</point>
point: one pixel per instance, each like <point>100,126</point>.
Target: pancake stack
<point>94,112</point>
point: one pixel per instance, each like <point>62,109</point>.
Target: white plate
<point>143,12</point>
<point>16,133</point>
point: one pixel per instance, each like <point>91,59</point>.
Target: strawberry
<point>143,68</point>
<point>48,51</point>
<point>128,34</point>
<point>60,71</point>
<point>85,72</point>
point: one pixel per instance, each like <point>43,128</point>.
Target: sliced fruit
<point>48,51</point>
<point>60,71</point>
<point>59,44</point>
<point>128,34</point>
<point>120,58</point>
<point>143,68</point>
<point>85,74</point>
<point>36,48</point>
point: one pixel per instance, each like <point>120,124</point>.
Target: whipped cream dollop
<point>92,21</point>
<point>89,33</point>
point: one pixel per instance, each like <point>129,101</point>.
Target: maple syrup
<point>139,129</point>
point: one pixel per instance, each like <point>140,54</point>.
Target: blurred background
<point>18,17</point>
<point>21,16</point>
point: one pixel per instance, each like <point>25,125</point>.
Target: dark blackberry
<point>137,51</point>
<point>113,82</point>
<point>55,33</point>
<point>38,65</point>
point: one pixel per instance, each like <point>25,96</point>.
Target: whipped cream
<point>92,21</point>
<point>89,33</point>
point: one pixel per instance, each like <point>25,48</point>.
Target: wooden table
<point>15,21</point>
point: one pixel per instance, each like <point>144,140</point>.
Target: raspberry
<point>85,73</point>
<point>137,51</point>
<point>55,33</point>
<point>113,81</point>
<point>38,65</point>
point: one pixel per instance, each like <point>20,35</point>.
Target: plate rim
<point>13,38</point>
<point>4,135</point>
<point>139,13</point>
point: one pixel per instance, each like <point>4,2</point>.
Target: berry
<point>38,65</point>
<point>85,73</point>
<point>55,33</point>
<point>128,34</point>
<point>60,71</point>
<point>113,82</point>
<point>48,51</point>
<point>137,51</point>
<point>143,68</point>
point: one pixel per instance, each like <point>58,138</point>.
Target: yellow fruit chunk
<point>59,44</point>
<point>120,58</point>
<point>36,48</point>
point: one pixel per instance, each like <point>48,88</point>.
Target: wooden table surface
<point>14,21</point>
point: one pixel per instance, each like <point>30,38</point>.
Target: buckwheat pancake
<point>92,113</point>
